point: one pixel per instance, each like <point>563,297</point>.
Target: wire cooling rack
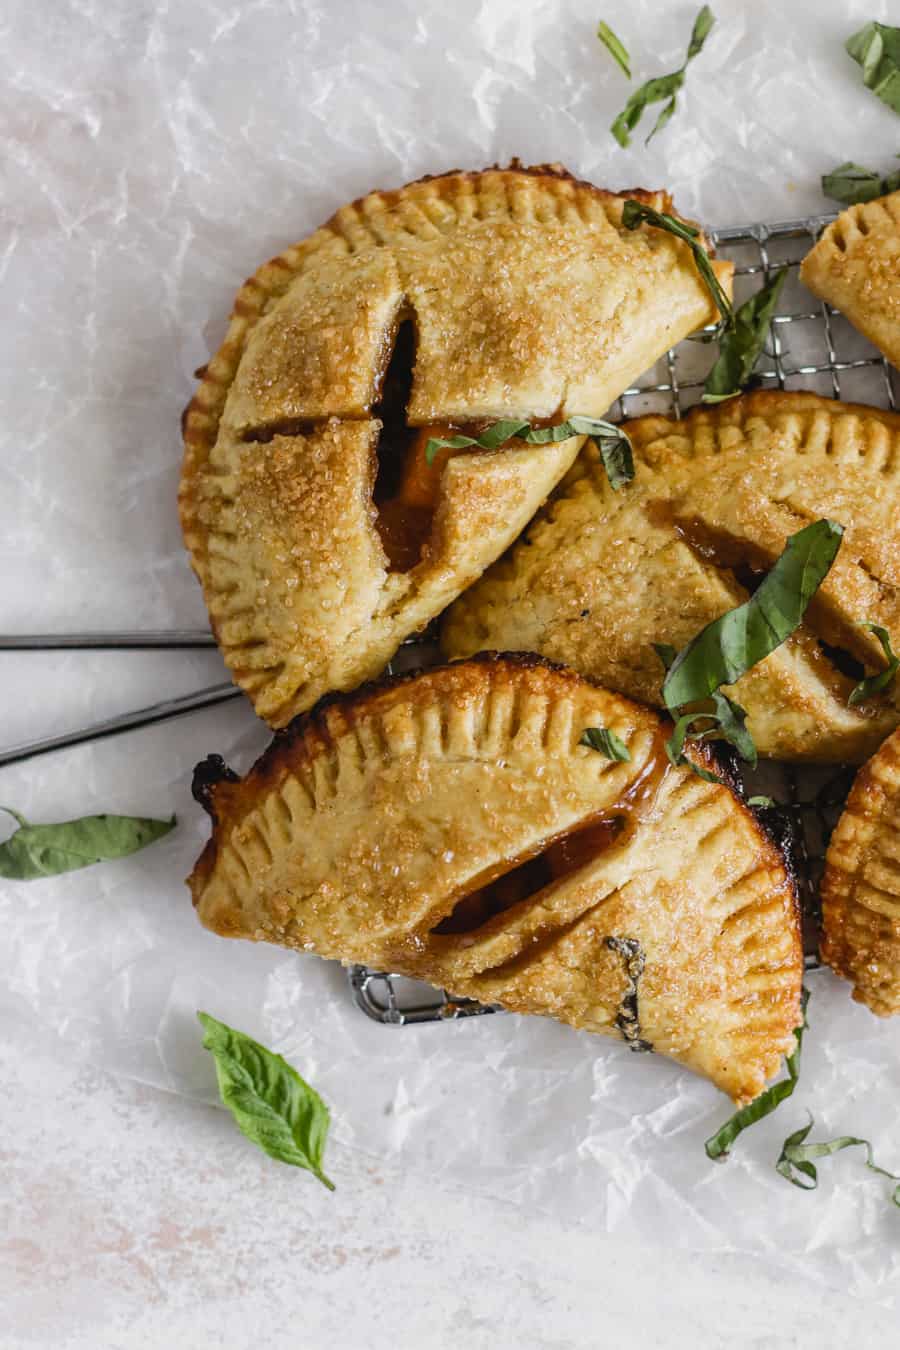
<point>811,347</point>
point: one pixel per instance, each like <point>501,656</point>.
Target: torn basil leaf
<point>765,803</point>
<point>741,344</point>
<point>271,1104</point>
<point>876,48</point>
<point>719,1145</point>
<point>48,850</point>
<point>611,441</point>
<point>615,47</point>
<point>635,213</point>
<point>606,742</point>
<point>799,1157</point>
<point>851,183</point>
<point>662,89</point>
<point>732,644</point>
<point>874,684</point>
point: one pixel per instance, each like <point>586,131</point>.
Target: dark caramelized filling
<point>512,881</point>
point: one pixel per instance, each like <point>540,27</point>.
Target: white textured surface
<point>156,153</point>
<point>135,1221</point>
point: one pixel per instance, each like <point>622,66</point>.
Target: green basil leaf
<point>766,803</point>
<point>740,345</point>
<point>873,684</point>
<point>797,1155</point>
<point>611,441</point>
<point>614,46</point>
<point>635,213</point>
<point>876,48</point>
<point>270,1102</point>
<point>729,646</point>
<point>662,89</point>
<point>48,850</point>
<point>606,742</point>
<point>851,183</point>
<point>719,1144</point>
<point>731,726</point>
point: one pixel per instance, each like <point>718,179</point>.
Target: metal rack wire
<point>812,347</point>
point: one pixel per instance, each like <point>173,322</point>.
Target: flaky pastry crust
<point>368,827</point>
<point>529,299</point>
<point>861,885</point>
<point>599,576</point>
<point>855,266</point>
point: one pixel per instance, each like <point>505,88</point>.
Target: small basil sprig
<point>663,87</point>
<point>48,850</point>
<point>615,47</point>
<point>270,1102</point>
<point>796,1159</point>
<point>851,183</point>
<point>738,640</point>
<point>611,441</point>
<point>606,742</point>
<point>740,345</point>
<point>873,684</point>
<point>719,1145</point>
<point>876,48</point>
<point>635,213</point>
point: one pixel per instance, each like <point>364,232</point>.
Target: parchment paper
<point>156,154</point>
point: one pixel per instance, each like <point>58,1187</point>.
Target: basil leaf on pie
<point>662,89</point>
<point>606,742</point>
<point>741,344</point>
<point>874,684</point>
<point>48,850</point>
<point>611,441</point>
<point>271,1104</point>
<point>637,213</point>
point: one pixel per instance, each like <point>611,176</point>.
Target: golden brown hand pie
<point>855,266</point>
<point>861,885</point>
<point>451,827</point>
<point>599,576</point>
<point>319,531</point>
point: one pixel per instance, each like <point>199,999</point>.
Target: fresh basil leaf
<point>719,1145</point>
<point>741,344</point>
<point>611,441</point>
<point>635,213</point>
<point>615,47</point>
<point>666,652</point>
<point>876,48</point>
<point>662,89</point>
<point>799,1156</point>
<point>606,742</point>
<point>732,644</point>
<point>48,850</point>
<point>873,684</point>
<point>851,183</point>
<point>270,1102</point>
<point>765,803</point>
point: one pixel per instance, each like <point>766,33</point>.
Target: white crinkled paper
<point>156,154</point>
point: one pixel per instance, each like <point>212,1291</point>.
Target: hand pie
<point>450,826</point>
<point>599,576</point>
<point>855,266</point>
<point>320,533</point>
<point>861,885</point>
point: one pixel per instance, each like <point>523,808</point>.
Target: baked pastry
<point>598,576</point>
<point>318,528</point>
<point>861,886</point>
<point>855,266</point>
<point>452,827</point>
